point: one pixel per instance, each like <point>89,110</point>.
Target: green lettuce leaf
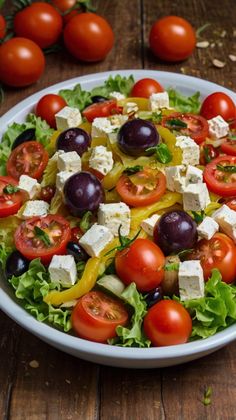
<point>76,98</point>
<point>4,252</point>
<point>184,103</point>
<point>114,84</point>
<point>8,226</point>
<point>132,336</point>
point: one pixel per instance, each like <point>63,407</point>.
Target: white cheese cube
<point>191,280</point>
<point>148,224</point>
<point>101,127</point>
<point>175,179</point>
<point>96,239</point>
<point>190,150</point>
<point>226,218</point>
<point>113,216</point>
<point>101,160</point>
<point>68,117</point>
<point>130,108</point>
<point>62,270</point>
<point>30,186</point>
<point>158,101</point>
<point>61,179</point>
<point>193,175</point>
<point>195,197</point>
<point>218,127</point>
<point>112,137</point>
<point>118,120</point>
<point>69,161</point>
<point>116,95</point>
<point>35,208</point>
<point>207,228</point>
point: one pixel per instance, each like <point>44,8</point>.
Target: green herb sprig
<point>41,234</point>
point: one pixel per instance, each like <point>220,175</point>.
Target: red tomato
<point>96,316</point>
<point>101,109</point>
<point>64,6</point>
<point>48,106</point>
<point>167,323</point>
<point>218,103</point>
<point>39,22</point>
<point>145,87</point>
<point>172,38</point>
<point>9,202</point>
<point>21,62</point>
<point>229,147</point>
<point>29,242</point>
<point>28,158</point>
<point>76,234</point>
<point>143,188</point>
<point>217,252</point>
<point>142,263</point>
<point>220,181</point>
<point>208,153</point>
<point>88,37</point>
<point>196,126</point>
<point>47,193</point>
<point>231,203</point>
<point>3,26</point>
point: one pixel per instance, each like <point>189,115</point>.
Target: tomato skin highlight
<point>48,106</point>
<point>197,126</point>
<point>145,87</point>
<point>16,198</point>
<point>96,316</point>
<point>101,109</point>
<point>167,323</point>
<point>218,103</point>
<point>212,176</point>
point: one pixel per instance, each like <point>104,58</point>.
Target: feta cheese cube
<point>191,280</point>
<point>175,179</point>
<point>158,101</point>
<point>130,108</point>
<point>207,228</point>
<point>30,186</point>
<point>101,160</point>
<point>195,197</point>
<point>35,208</point>
<point>117,121</point>
<point>62,270</point>
<point>112,137</point>
<point>68,117</point>
<point>226,218</point>
<point>218,127</point>
<point>190,150</point>
<point>96,239</point>
<point>69,161</point>
<point>113,216</point>
<point>61,179</point>
<point>193,175</point>
<point>148,224</point>
<point>101,127</point>
<point>116,95</point>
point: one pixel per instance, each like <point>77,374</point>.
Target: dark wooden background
<point>61,386</point>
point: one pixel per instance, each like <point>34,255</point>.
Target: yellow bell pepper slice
<point>141,102</point>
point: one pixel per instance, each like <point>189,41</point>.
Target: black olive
<point>154,296</point>
<point>98,98</point>
<point>26,135</point>
<point>77,252</point>
<point>16,264</point>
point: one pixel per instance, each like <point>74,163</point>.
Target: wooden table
<point>63,387</point>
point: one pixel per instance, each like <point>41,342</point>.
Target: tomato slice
<point>229,147</point>
<point>29,158</point>
<point>196,126</point>
<point>96,316</point>
<point>101,109</point>
<point>9,202</point>
<point>143,188</point>
<point>218,252</point>
<point>221,181</point>
<point>42,237</point>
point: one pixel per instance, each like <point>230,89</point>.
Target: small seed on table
<point>218,63</point>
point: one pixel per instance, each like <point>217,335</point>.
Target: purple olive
<point>73,140</point>
<point>98,98</point>
<point>154,296</point>
<point>136,136</point>
<point>77,251</point>
<point>16,264</point>
<point>26,135</point>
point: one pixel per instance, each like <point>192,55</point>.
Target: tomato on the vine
<point>220,175</point>
<point>187,124</point>
<point>218,103</point>
<point>145,87</point>
<point>3,27</point>
<point>48,106</point>
<point>68,8</point>
<point>10,201</point>
<point>101,109</point>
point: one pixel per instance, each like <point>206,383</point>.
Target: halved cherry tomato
<point>196,126</point>
<point>217,252</point>
<point>145,87</point>
<point>219,181</point>
<point>48,106</point>
<point>47,193</point>
<point>9,203</point>
<point>231,203</point>
<point>208,153</point>
<point>143,188</point>
<point>101,109</point>
<point>28,158</point>
<point>229,147</point>
<point>142,263</point>
<point>218,103</point>
<point>76,234</point>
<point>53,238</point>
<point>96,316</point>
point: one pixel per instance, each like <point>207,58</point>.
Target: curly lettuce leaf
<point>76,97</point>
<point>114,84</point>
<point>8,226</point>
<point>184,103</point>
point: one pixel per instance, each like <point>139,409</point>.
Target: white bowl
<point>101,353</point>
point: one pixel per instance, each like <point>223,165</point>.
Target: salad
<point>118,213</point>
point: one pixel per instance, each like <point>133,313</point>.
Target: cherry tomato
<point>88,37</point>
<point>142,263</point>
<point>167,323</point>
<point>9,202</point>
<point>231,203</point>
<point>54,229</point>
<point>218,103</point>
<point>217,252</point>
<point>218,180</point>
<point>3,26</point>
<point>101,109</point>
<point>28,158</point>
<point>143,188</point>
<point>172,38</point>
<point>145,87</point>
<point>64,6</point>
<point>195,126</point>
<point>47,193</point>
<point>208,153</point>
<point>39,22</point>
<point>96,316</point>
<point>21,62</point>
<point>48,106</point>
<point>229,147</point>
<point>76,234</point>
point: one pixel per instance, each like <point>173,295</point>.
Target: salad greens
<point>76,98</point>
<point>184,103</point>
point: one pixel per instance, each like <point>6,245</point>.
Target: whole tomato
<point>145,87</point>
<point>172,39</point>
<point>65,6</point>
<point>88,37</point>
<point>21,62</point>
<point>218,103</point>
<point>48,106</point>
<point>3,26</point>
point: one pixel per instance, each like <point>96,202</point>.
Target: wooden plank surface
<point>38,382</point>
